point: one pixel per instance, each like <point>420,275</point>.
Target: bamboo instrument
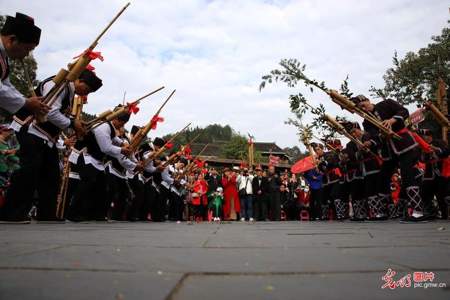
<point>109,115</point>
<point>62,194</point>
<point>191,166</point>
<point>77,107</point>
<point>164,147</point>
<point>74,70</point>
<point>178,154</point>
<point>442,94</point>
<point>339,128</point>
<point>438,115</point>
<point>346,104</point>
<point>142,132</point>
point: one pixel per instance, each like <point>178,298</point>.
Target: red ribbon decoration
<point>169,146</point>
<point>419,140</point>
<point>187,151</point>
<point>155,120</point>
<point>199,163</point>
<point>132,108</point>
<point>84,99</point>
<point>90,68</point>
<point>91,54</point>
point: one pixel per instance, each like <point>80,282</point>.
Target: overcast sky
<point>215,52</point>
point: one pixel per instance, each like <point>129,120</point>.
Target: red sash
<point>445,167</point>
<point>422,144</point>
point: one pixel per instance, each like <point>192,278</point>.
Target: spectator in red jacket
<point>231,198</point>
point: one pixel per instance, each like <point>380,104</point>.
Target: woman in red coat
<point>231,198</point>
<point>200,199</point>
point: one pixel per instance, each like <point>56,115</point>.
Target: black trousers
<point>315,203</point>
<point>274,206</point>
<point>176,207</point>
<point>408,169</point>
<point>39,175</point>
<point>159,207</point>
<point>372,185</point>
<point>137,202</point>
<point>439,188</point>
<point>90,201</point>
<point>411,179</point>
<point>72,187</point>
<point>260,207</point>
<point>359,203</point>
<point>118,196</point>
<point>148,207</point>
<point>334,192</point>
<point>356,189</point>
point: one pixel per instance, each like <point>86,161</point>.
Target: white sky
<point>215,52</point>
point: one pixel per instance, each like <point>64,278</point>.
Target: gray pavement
<point>282,260</point>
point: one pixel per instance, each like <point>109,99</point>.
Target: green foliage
<point>294,153</point>
<point>236,148</point>
<point>414,77</point>
<point>291,73</point>
<point>209,134</point>
<point>345,90</point>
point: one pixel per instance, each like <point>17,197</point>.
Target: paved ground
<point>285,260</point>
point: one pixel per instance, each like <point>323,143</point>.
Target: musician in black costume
<point>434,183</point>
<point>392,115</point>
<point>371,168</point>
<point>354,176</point>
<point>90,202</point>
<point>40,171</point>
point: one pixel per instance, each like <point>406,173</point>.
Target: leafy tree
<point>294,153</point>
<point>211,133</point>
<point>292,73</point>
<point>236,148</point>
<point>414,77</point>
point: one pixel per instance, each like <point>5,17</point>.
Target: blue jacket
<point>314,184</point>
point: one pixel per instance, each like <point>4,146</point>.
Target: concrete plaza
<point>263,260</point>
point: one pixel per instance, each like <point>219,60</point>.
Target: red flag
<point>303,165</point>
<point>417,116</point>
<point>155,120</point>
